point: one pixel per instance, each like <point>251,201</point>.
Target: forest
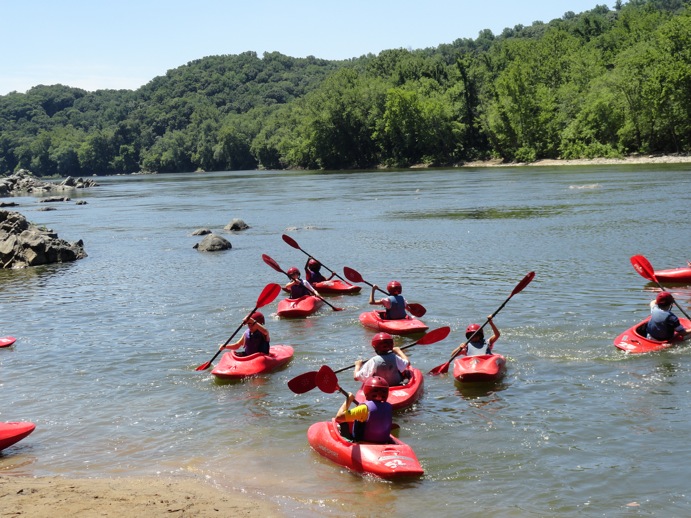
<point>602,83</point>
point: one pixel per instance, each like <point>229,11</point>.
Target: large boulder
<point>213,243</point>
<point>24,244</point>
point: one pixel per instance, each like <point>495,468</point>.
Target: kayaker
<point>298,287</point>
<point>390,363</point>
<point>372,419</point>
<point>479,345</point>
<point>395,304</point>
<point>663,324</point>
<point>312,273</point>
<point>255,339</point>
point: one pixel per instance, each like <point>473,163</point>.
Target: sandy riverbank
<point>639,159</point>
<point>123,498</point>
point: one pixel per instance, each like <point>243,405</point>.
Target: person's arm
<point>461,349</point>
<point>356,372</point>
<point>364,370</point>
<point>398,352</point>
<point>310,288</point>
<point>495,332</point>
<point>359,413</point>
<point>236,345</point>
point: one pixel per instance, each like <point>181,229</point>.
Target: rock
<point>213,243</point>
<point>82,202</point>
<point>236,224</point>
<point>201,232</point>
<point>54,199</point>
<point>24,244</point>
<point>23,181</point>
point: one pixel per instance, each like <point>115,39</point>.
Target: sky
<point>97,44</point>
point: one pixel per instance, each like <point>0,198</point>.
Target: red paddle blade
<point>352,275</point>
<point>268,294</point>
<point>291,241</point>
<point>417,310</point>
<point>434,336</point>
<point>643,267</point>
<point>304,382</point>
<point>441,369</point>
<point>272,263</point>
<point>203,366</point>
<point>524,282</point>
<point>326,380</point>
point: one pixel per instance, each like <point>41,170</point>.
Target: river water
<point>107,347</point>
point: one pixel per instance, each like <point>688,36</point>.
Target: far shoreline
<point>629,160</point>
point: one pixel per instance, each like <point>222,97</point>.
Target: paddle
<point>294,244</point>
<point>417,310</point>
<point>276,267</point>
<point>267,296</point>
<point>646,270</point>
<point>443,368</point>
<point>308,380</point>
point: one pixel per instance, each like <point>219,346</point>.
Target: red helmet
<point>376,388</point>
<point>258,317</point>
<point>664,298</point>
<point>382,342</point>
<point>292,271</point>
<point>314,265</point>
<point>471,329</point>
<point>394,288</point>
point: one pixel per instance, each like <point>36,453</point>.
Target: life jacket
<point>255,343</point>
<point>385,367</point>
<point>662,324</point>
<point>478,348</point>
<point>397,309</point>
<point>299,290</point>
<point>314,276</point>
<point>377,428</point>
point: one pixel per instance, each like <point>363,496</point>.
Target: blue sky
<point>94,44</point>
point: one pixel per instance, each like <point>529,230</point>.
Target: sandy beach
<point>637,159</point>
<point>123,498</point>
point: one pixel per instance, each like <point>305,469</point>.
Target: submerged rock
<point>213,243</point>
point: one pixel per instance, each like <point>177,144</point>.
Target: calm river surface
<point>107,346</point>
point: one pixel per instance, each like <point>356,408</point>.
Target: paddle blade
<point>204,366</point>
<point>268,294</point>
<point>272,263</point>
<point>291,241</point>
<point>643,267</point>
<point>524,282</point>
<point>440,369</point>
<point>417,310</point>
<point>326,379</point>
<point>434,336</point>
<point>304,382</point>
<point>352,275</point>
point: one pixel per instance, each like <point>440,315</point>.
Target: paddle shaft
<point>646,270</point>
<point>295,244</point>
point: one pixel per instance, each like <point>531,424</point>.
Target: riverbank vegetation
<point>602,83</point>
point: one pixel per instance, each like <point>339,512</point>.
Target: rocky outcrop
<point>236,224</point>
<point>23,182</point>
<point>213,243</point>
<point>24,244</point>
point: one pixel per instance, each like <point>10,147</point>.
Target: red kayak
<point>335,287</point>
<point>11,433</point>
<point>404,326</point>
<point>393,460</point>
<point>483,367</point>
<point>299,308</point>
<point>402,396</point>
<point>233,367</point>
<point>6,341</point>
<point>674,275</point>
<point>634,340</point>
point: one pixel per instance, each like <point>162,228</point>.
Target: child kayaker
<point>395,304</point>
<point>390,363</point>
<point>255,339</point>
<point>312,273</point>
<point>663,324</point>
<point>372,419</point>
<point>298,287</point>
<point>479,345</point>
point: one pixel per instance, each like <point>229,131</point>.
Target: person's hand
<point>489,318</point>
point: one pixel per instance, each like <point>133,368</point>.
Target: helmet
<point>471,329</point>
<point>292,271</point>
<point>664,298</point>
<point>376,387</point>
<point>259,317</point>
<point>314,265</point>
<point>382,342</point>
<point>394,288</point>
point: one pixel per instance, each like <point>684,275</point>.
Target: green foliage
<point>599,83</point>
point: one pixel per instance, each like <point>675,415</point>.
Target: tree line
<point>602,83</point>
